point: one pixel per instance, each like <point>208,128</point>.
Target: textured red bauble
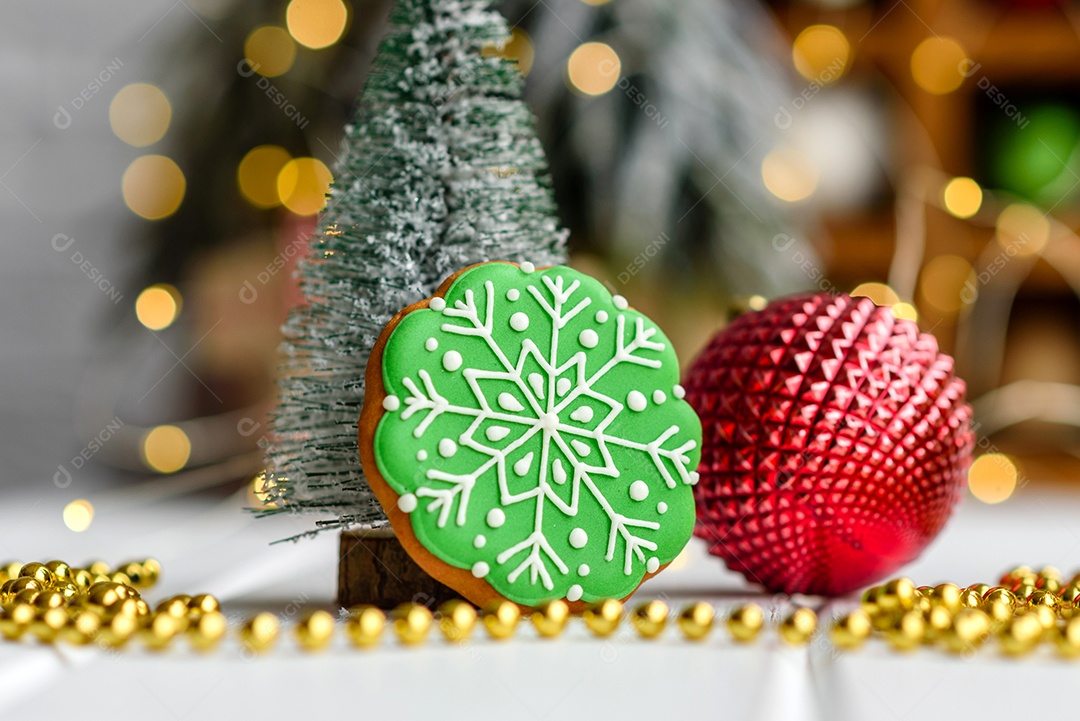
<point>836,440</point>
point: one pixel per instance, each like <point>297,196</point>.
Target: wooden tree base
<point>374,568</point>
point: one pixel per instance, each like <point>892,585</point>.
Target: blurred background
<point>161,163</point>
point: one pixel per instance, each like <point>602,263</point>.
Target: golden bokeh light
<point>593,68</point>
<point>821,53</point>
<point>880,293</point>
<point>905,311</point>
<point>992,477</point>
<point>166,449</point>
<point>789,174</point>
<point>270,50</point>
<point>78,515</point>
<point>596,2</point>
<point>317,24</point>
<point>158,306</point>
<point>303,184</point>
<point>140,114</point>
<point>937,65</point>
<point>153,187</point>
<point>1022,229</point>
<point>962,197</point>
<point>258,172</point>
<point>262,492</point>
<point>518,48</point>
<point>943,281</point>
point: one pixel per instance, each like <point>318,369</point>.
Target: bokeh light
<point>821,53</point>
<point>166,449</point>
<point>1022,229</point>
<point>937,65</point>
<point>303,184</point>
<point>258,172</point>
<point>943,281</point>
<point>962,197</point>
<point>518,48</point>
<point>789,174</point>
<point>262,492</point>
<point>317,24</point>
<point>78,515</point>
<point>880,293</point>
<point>270,50</point>
<point>153,187</point>
<point>158,306</point>
<point>992,477</point>
<point>140,114</point>
<point>593,68</point>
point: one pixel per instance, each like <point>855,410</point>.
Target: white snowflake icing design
<point>558,402</point>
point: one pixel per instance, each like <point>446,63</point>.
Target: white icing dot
<point>513,294</point>
<point>636,400</point>
<point>639,490</point>
<point>588,338</point>
<point>432,343</point>
<point>526,266</point>
<point>652,565</point>
<point>578,538</point>
<point>620,302</point>
<point>558,473</point>
<point>601,316</point>
<point>391,403</point>
<point>509,403</point>
<point>583,569</point>
<point>581,447</point>
<point>437,304</point>
<point>661,508</point>
<point>480,569</point>
<point>678,391</point>
<point>496,433</point>
<point>519,321</point>
<point>562,386</point>
<point>496,517</point>
<point>536,382</point>
<point>659,396</point>
<point>524,464</point>
<point>584,414</point>
<point>694,478</point>
<point>447,448</point>
<point>574,593</point>
<point>451,360</point>
<point>421,455</point>
<point>480,541</point>
<point>407,503</point>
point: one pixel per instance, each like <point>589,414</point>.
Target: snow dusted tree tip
<point>440,168</point>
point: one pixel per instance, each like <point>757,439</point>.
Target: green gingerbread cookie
<point>534,435</point>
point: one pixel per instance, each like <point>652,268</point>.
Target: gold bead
<point>1020,634</point>
<point>151,571</point>
<point>1044,598</point>
<point>15,621</point>
<point>1002,595</point>
<point>411,622</point>
<point>46,627</point>
<point>1024,591</point>
<point>970,598</point>
<point>70,591</point>
<point>18,585</point>
<point>60,571</point>
<point>10,570</point>
<point>116,631</point>
<point>1046,617</point>
<point>696,620</point>
<point>82,578</point>
<point>106,594</point>
<point>365,626</point>
<point>1050,573</point>
<point>456,619</point>
<point>314,631</point>
<point>82,628</point>
<point>39,572</point>
<point>947,595</point>
<point>122,578</point>
<point>501,619</point>
<point>1016,574</point>
<point>970,628</point>
<point>603,618</point>
<point>999,610</point>
<point>799,627</point>
<point>207,630</point>
<point>871,600</point>
<point>897,595</point>
<point>908,632</point>
<point>49,599</point>
<point>158,633</point>
<point>938,623</point>
<point>550,618</point>
<point>134,573</point>
<point>175,606</point>
<point>980,588</point>
<point>1069,598</point>
<point>650,618</point>
<point>850,631</point>
<point>204,603</point>
<point>28,596</point>
<point>259,633</point>
<point>1067,638</point>
<point>98,568</point>
<point>745,622</point>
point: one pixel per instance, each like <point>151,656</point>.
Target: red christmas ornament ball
<point>836,441</point>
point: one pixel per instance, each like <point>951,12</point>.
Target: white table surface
<point>215,547</point>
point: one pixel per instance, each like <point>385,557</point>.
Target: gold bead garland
<point>56,602</point>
